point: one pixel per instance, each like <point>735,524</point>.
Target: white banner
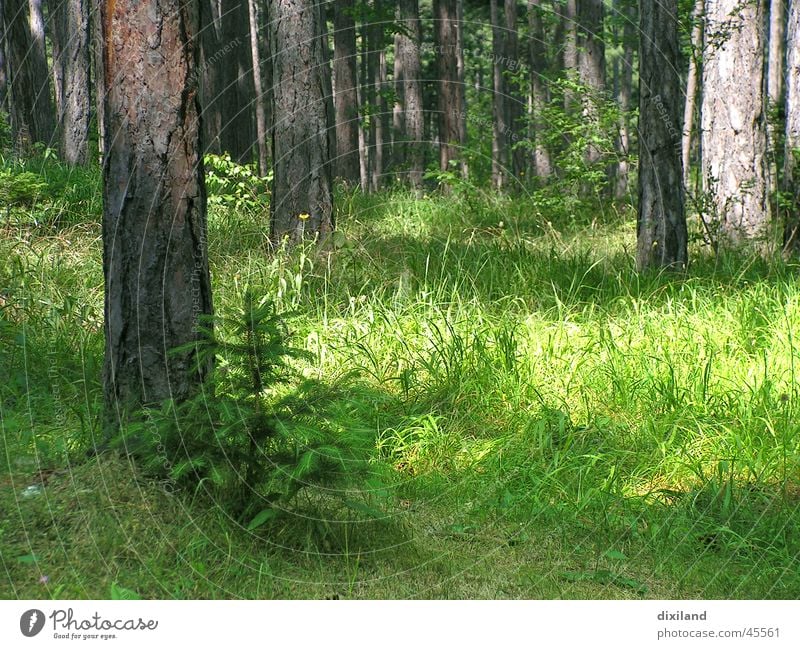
<point>406,625</point>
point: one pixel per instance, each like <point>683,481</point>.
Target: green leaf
<point>616,555</point>
<point>118,592</point>
<point>262,517</point>
<point>28,558</point>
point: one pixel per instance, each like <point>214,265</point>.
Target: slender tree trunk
<point>452,108</point>
<point>624,97</point>
<point>542,166</point>
<point>412,118</point>
<point>365,103</point>
<point>734,141</point>
<point>376,66</point>
<point>791,170</point>
<point>500,158</point>
<point>516,103</point>
<point>692,89</point>
<point>32,115</point>
<point>302,199</point>
<point>661,230</point>
<point>345,67</point>
<point>3,63</point>
<point>154,221</point>
<point>775,67</point>
<point>259,100</point>
<point>98,74</point>
<point>569,18</point>
<point>70,28</point>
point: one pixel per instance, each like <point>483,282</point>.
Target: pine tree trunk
<point>592,65</point>
<point>376,72</point>
<point>154,221</point>
<point>542,166</point>
<point>259,100</point>
<point>692,88</point>
<point>345,66</point>
<point>775,65</point>
<point>70,30</point>
<point>569,20</point>
<point>791,170</point>
<point>302,199</point>
<point>97,73</point>
<point>500,158</point>
<point>624,98</point>
<point>516,103</point>
<point>734,141</point>
<point>32,114</point>
<point>412,120</point>
<point>452,108</point>
<point>661,228</point>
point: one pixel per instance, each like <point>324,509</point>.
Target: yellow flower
<point>304,216</point>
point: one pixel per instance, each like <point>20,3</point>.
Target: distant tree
<point>345,73</point>
<point>626,12</point>
<point>412,127</point>
<point>302,199</point>
<point>791,171</point>
<point>692,88</point>
<point>538,65</point>
<point>734,136</point>
<point>70,36</point>
<point>259,99</point>
<point>662,238</point>
<point>501,161</point>
<point>452,102</point>
<point>155,260</point>
<point>591,63</point>
<point>32,114</point>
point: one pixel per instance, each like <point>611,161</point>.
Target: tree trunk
<point>32,115</point>
<point>452,108</point>
<point>376,72</point>
<point>413,125</point>
<point>791,170</point>
<point>734,141</point>
<point>661,227</point>
<point>500,157</point>
<point>155,260</point>
<point>516,103</point>
<point>70,29</point>
<point>591,65</point>
<point>624,98</point>
<point>302,199</point>
<point>259,100</point>
<point>542,166</point>
<point>345,66</point>
<point>692,88</point>
<point>227,88</point>
<point>97,73</point>
<point>777,31</point>
<point>569,19</point>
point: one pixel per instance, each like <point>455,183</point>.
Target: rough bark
<point>692,89</point>
<point>661,226</point>
<point>542,165</point>
<point>777,31</point>
<point>154,220</point>
<point>345,67</point>
<point>413,125</point>
<point>452,108</point>
<point>302,201</point>
<point>98,74</point>
<point>734,141</point>
<point>32,114</point>
<point>70,36</point>
<point>791,171</point>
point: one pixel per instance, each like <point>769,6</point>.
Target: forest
<point>425,299</point>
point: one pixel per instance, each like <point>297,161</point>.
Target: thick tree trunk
<point>692,88</point>
<point>413,124</point>
<point>661,227</point>
<point>32,114</point>
<point>154,221</point>
<point>345,66</point>
<point>452,108</point>
<point>302,200</point>
<point>542,166</point>
<point>500,157</point>
<point>70,28</point>
<point>791,170</point>
<point>259,100</point>
<point>734,141</point>
<point>569,20</point>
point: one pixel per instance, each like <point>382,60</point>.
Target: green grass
<point>548,423</point>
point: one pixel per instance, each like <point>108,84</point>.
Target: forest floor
<point>552,424</point>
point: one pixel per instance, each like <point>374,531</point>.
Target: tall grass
<point>527,387</point>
